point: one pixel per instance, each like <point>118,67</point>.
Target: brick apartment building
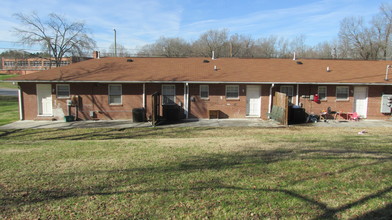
<point>20,66</point>
<point>110,88</point>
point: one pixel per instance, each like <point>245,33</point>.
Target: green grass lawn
<point>8,109</point>
<point>7,84</point>
<point>196,173</point>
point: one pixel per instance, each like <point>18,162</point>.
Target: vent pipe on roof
<point>387,71</point>
<point>213,55</point>
<point>294,57</point>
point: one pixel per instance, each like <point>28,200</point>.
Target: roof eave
<point>204,82</point>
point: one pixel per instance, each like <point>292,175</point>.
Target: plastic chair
<point>353,116</point>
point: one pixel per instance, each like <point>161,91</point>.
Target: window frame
<point>348,93</point>
<point>326,93</point>
<point>201,91</point>
<point>292,90</point>
<point>112,95</point>
<point>63,96</point>
<point>237,91</point>
<point>165,95</point>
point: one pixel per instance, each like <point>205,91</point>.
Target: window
<point>232,92</point>
<point>168,94</point>
<point>35,63</point>
<point>50,63</point>
<point>322,92</point>
<point>204,91</point>
<point>62,90</point>
<point>288,90</point>
<point>342,92</point>
<point>9,63</point>
<point>115,92</point>
<point>64,63</point>
<point>23,63</point>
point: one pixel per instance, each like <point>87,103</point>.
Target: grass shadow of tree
<point>150,178</point>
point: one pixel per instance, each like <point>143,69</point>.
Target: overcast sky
<point>139,22</point>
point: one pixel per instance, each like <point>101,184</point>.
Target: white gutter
<point>270,100</point>
<point>20,103</point>
<point>144,95</point>
<point>204,82</point>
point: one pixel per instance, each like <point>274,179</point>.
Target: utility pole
<point>115,42</point>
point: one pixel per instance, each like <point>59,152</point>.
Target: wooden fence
<point>280,108</point>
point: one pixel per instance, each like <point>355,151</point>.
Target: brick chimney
<point>95,54</point>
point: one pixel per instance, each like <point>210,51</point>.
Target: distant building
<point>24,66</point>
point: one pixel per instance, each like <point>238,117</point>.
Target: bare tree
<point>383,26</point>
<point>173,47</point>
<point>266,47</point>
<point>212,40</point>
<point>241,46</point>
<point>166,47</point>
<point>121,51</point>
<point>55,33</point>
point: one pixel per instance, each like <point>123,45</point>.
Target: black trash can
<point>297,115</point>
<point>139,115</point>
<point>171,112</point>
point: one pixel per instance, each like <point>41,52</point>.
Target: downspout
<point>20,103</point>
<point>186,100</point>
<point>144,95</point>
<point>270,100</point>
<point>297,96</point>
<point>386,72</point>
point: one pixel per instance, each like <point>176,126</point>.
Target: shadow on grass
<point>151,178</point>
<point>102,133</point>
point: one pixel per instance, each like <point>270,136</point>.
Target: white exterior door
<point>253,100</point>
<point>361,100</point>
<point>44,99</point>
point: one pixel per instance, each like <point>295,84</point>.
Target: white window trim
<point>326,92</point>
<point>57,91</point>
<point>208,91</point>
<point>174,99</point>
<point>348,93</point>
<point>121,95</point>
<point>238,92</point>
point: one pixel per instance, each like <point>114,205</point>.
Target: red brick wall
<point>374,100</point>
<point>94,97</point>
<point>152,88</point>
<point>217,101</point>
<point>99,102</point>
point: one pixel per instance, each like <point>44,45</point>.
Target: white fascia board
<point>204,82</point>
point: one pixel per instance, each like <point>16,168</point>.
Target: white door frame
<point>44,97</point>
<point>363,113</point>
<point>258,114</point>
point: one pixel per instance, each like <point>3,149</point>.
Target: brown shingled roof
<point>227,70</point>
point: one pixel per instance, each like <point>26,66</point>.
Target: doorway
<point>361,100</point>
<point>253,100</point>
<point>44,99</point>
